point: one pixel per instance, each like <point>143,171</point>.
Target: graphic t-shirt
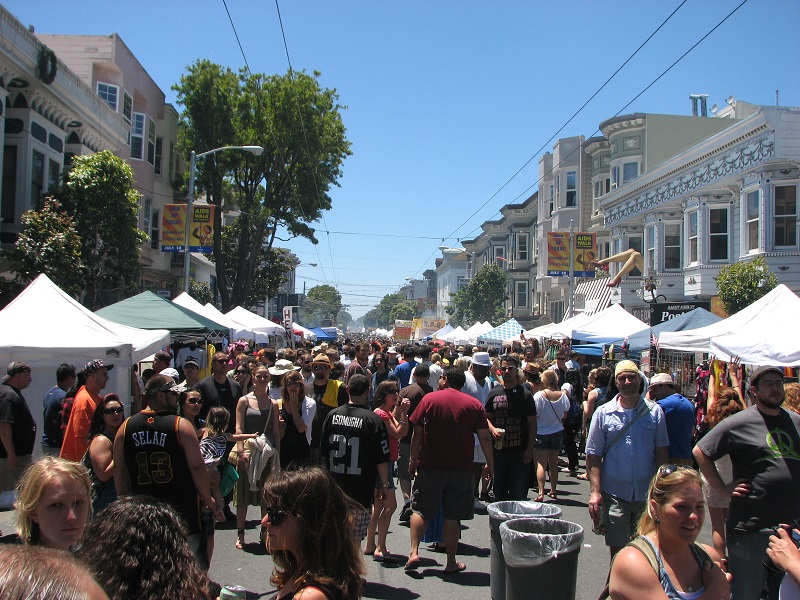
<point>765,451</point>
<point>354,442</point>
<point>509,410</point>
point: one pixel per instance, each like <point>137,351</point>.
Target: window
<point>127,106</point>
<point>552,199</point>
<point>52,175</point>
<point>146,214</point>
<point>521,294</point>
<point>785,215</point>
<point>630,171</point>
<point>650,258</point>
<point>155,224</point>
<point>614,177</point>
<point>159,145</point>
<point>752,219</point>
<point>672,246</point>
<point>500,256</point>
<point>572,192</point>
<point>692,227</point>
<point>8,206</point>
<point>635,242</point>
<point>37,178</point>
<point>151,141</point>
<point>522,246</point>
<point>109,93</point>
<point>535,241</point>
<point>718,234</point>
<point>137,136</point>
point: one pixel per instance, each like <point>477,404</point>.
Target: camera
<point>793,535</point>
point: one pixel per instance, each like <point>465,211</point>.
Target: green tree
<point>742,283</point>
<point>99,193</point>
<point>404,310</point>
<point>321,302</point>
<point>299,125</point>
<point>49,244</point>
<point>201,291</point>
<point>483,299</point>
<point>390,308</point>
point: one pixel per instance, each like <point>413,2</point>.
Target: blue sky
<point>447,100</point>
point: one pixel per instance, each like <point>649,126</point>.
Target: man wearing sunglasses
<point>627,442</point>
<point>327,394</point>
<point>764,446</point>
<point>219,390</point>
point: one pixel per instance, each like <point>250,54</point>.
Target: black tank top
<point>157,463</point>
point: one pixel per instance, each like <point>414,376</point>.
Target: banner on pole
<point>201,227</point>
<point>558,254</point>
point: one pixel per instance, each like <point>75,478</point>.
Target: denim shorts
<point>392,486</point>
<point>550,441</point>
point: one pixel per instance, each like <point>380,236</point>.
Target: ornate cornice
<point>695,175</point>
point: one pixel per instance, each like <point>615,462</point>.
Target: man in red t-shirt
<point>442,449</point>
<point>86,400</point>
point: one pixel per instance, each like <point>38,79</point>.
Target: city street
<point>251,567</point>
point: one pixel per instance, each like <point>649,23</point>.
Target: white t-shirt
<point>549,414</point>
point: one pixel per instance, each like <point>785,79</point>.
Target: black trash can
<point>500,512</point>
<point>541,558</point>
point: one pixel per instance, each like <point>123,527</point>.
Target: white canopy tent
<point>44,327</point>
<point>764,333</point>
<point>443,332</point>
<point>608,325</point>
<point>457,336</point>
<point>477,329</point>
<point>307,333</point>
<point>261,327</point>
<point>236,330</point>
<point>558,330</point>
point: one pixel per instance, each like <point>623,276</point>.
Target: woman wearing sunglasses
<point>107,418</point>
<point>664,561</point>
<point>310,538</point>
<point>189,406</point>
<point>297,415</point>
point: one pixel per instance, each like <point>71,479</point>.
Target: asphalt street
<point>251,567</point>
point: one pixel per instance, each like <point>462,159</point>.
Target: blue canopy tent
<point>495,337</point>
<point>322,335</point>
<point>694,319</point>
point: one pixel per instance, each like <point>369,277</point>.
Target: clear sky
<point>447,100</point>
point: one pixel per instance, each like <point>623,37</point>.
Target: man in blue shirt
<point>52,434</point>
<point>627,442</point>
<point>403,370</point>
<point>679,413</point>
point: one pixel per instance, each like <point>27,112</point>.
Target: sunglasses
<point>665,470</point>
<point>114,411</point>
<point>293,383</point>
<point>222,361</point>
<point>193,401</point>
<point>507,369</point>
<point>320,368</point>
<point>275,516</point>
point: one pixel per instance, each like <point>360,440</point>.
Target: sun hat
<point>282,366</point>
<point>481,359</point>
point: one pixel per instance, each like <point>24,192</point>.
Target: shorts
<point>453,489</point>
<point>392,486</point>
<point>550,441</point>
<point>402,461</point>
<point>9,478</point>
<point>621,518</point>
<point>361,518</point>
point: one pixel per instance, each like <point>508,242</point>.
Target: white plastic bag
<point>530,542</point>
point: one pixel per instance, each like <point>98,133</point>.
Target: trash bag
<point>514,509</point>
<point>533,541</point>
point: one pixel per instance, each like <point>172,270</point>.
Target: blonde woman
<point>552,405</point>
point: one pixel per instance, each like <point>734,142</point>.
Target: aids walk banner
<point>558,253</point>
<point>201,227</point>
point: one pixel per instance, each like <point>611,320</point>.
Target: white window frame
<point>155,229</point>
<point>147,214</point>
<point>104,94</point>
<point>751,245</point>
<point>523,251</point>
<point>693,238</point>
<point>521,291</point>
<point>726,234</point>
<point>651,234</point>
<point>152,135</point>
<point>615,177</point>
<point>137,133</point>
<point>552,199</point>
<point>787,217</point>
<point>571,188</point>
<point>127,106</point>
<point>626,179</point>
<point>664,245</point>
<point>500,253</point>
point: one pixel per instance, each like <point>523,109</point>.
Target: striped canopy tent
<point>495,337</point>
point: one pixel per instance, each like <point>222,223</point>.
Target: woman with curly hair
<point>107,418</point>
<point>310,538</point>
<point>142,543</point>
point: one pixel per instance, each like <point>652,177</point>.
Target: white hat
<point>170,372</point>
<point>282,366</point>
<point>481,359</point>
<point>662,379</point>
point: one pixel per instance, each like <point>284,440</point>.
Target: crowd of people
<point>310,434</point>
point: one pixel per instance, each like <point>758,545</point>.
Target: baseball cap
<point>759,371</point>
<point>191,360</point>
<point>626,366</point>
<point>14,368</point>
<point>662,379</point>
<point>95,365</point>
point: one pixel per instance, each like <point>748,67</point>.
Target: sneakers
<point>405,514</point>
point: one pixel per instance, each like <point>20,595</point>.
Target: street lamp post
<point>257,150</point>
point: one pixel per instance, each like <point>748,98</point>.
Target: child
<point>213,446</point>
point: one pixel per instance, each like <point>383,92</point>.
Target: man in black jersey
<point>355,446</point>
<point>156,453</point>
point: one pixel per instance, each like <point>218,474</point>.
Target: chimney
<point>703,109</point>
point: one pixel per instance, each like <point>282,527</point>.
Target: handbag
<point>229,478</point>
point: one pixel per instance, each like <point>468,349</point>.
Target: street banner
<point>585,252</point>
<point>287,318</point>
<point>426,327</point>
<point>173,228</point>
<point>402,330</point>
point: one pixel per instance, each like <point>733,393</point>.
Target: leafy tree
<point>49,244</point>
<point>99,193</point>
<point>483,299</point>
<point>390,308</point>
<point>299,125</point>
<point>321,302</point>
<point>201,291</point>
<point>373,318</point>
<point>404,310</point>
<point>742,283</point>
<point>344,317</point>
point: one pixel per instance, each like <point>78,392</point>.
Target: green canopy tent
<point>150,311</point>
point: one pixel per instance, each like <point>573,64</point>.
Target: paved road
<point>251,567</point>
